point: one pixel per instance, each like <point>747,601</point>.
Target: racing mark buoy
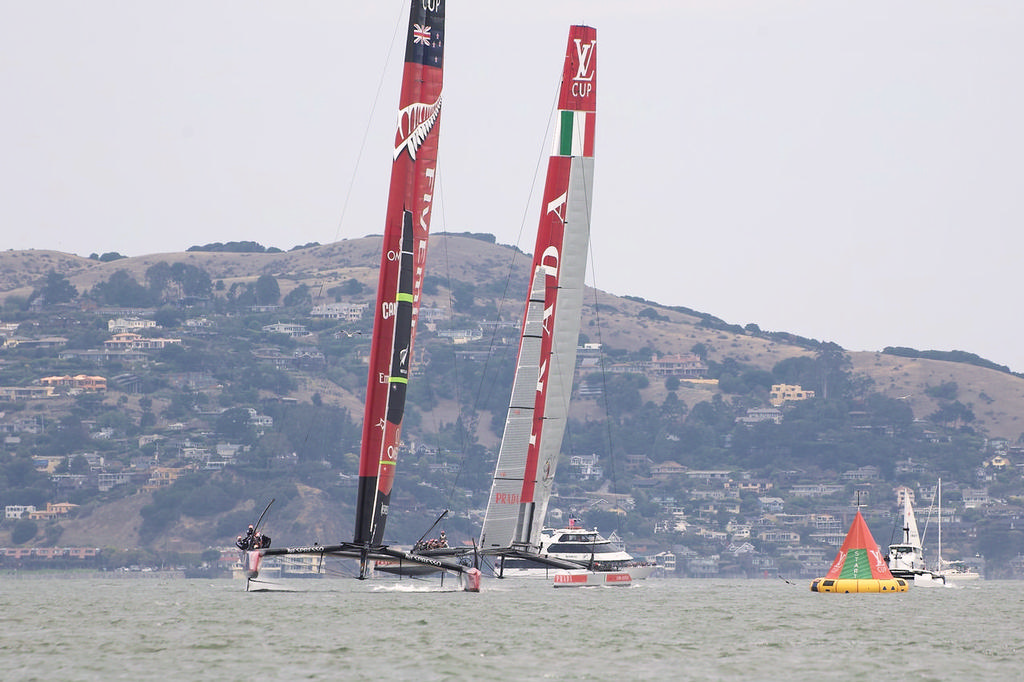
<point>859,566</point>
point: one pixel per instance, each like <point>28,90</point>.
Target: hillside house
<point>586,466</point>
<point>975,497</point>
<point>78,383</point>
<point>286,328</point>
<point>259,420</point>
<point>683,366</point>
<point>902,492</point>
<point>667,470</point>
<point>12,393</point>
<point>782,393</point>
<point>17,511</point>
<point>779,536</point>
<point>461,336</point>
<point>42,342</point>
<point>129,324</point>
<point>131,341</point>
<point>864,473</point>
<point>108,481</point>
<point>52,511</point>
<point>816,490</point>
<point>161,477</point>
<point>347,312</point>
<point>761,414</point>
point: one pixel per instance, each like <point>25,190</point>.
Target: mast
<point>547,349</point>
<point>402,262</point>
<point>938,490</point>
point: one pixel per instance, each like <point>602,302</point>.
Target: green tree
<point>463,298</point>
<point>56,289</point>
<point>23,531</point>
<point>158,276</point>
<point>267,290</point>
<point>953,415</point>
<point>168,317</point>
<point>298,296</point>
<point>234,424</point>
<point>124,290</point>
<point>351,287</point>
<point>947,390</point>
<point>193,280</point>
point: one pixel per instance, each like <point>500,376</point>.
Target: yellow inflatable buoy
<point>866,585</point>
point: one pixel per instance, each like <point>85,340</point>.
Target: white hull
<point>928,580</point>
<point>634,573</point>
<point>622,578</point>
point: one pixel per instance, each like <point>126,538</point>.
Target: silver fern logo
<point>414,124</point>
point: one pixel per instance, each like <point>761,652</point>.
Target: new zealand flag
<point>426,33</point>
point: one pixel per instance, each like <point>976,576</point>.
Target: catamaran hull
<point>251,563</point>
<point>919,578</point>
<point>404,569</point>
<point>927,580</point>
<point>469,579</point>
<point>548,573</point>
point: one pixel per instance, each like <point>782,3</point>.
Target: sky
<point>846,171</point>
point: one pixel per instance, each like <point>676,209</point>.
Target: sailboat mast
<point>402,264</point>
<point>938,489</point>
<point>551,321</point>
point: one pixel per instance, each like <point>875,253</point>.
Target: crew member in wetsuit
<point>246,543</point>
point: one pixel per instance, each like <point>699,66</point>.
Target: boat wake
<point>416,587</point>
<point>266,586</point>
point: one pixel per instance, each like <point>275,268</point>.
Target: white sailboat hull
<point>584,578</point>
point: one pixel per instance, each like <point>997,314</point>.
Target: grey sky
<point>847,171</point>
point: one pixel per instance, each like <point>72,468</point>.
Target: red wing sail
<point>402,263</point>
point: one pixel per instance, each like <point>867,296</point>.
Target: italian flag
<point>574,135</point>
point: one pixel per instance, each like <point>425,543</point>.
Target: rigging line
<point>480,399</point>
<point>439,193</point>
<point>604,383</point>
<point>399,23</point>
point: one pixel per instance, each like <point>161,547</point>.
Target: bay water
<point>335,629</point>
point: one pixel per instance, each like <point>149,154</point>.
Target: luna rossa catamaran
<point>546,363</point>
<point>402,268</point>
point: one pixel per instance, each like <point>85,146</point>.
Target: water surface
<point>97,629</point>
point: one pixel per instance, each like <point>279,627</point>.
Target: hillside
<point>496,270</point>
<point>472,280</point>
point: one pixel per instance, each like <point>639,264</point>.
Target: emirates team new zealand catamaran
<point>402,264</point>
